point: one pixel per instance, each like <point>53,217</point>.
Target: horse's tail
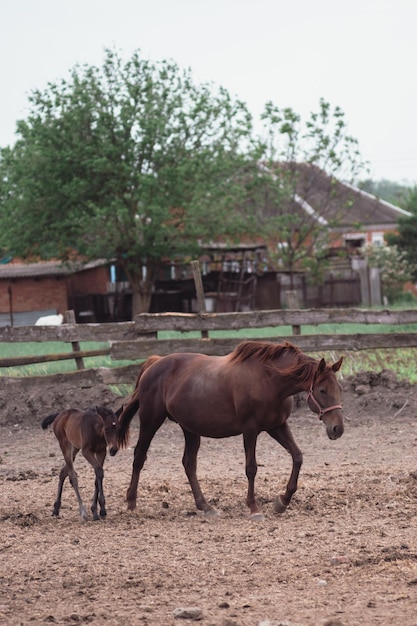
<point>48,420</point>
<point>127,412</point>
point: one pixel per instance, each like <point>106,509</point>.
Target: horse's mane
<point>302,366</point>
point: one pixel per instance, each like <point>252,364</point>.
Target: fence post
<point>293,303</point>
<point>70,319</point>
<point>201,301</point>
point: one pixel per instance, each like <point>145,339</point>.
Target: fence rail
<point>134,341</point>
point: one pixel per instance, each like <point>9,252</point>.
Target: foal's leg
<point>97,461</point>
<point>283,435</point>
<point>99,483</point>
<point>62,476</point>
<point>249,440</point>
<point>189,461</point>
<point>146,434</point>
<point>69,454</point>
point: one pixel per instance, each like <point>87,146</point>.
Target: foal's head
<point>324,398</point>
<point>111,428</point>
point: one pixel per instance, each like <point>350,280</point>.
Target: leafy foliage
<point>388,190</point>
<point>135,162</point>
<point>406,239</point>
<point>394,268</point>
<point>120,162</point>
<point>298,158</point>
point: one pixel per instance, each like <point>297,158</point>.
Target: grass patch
<point>57,367</point>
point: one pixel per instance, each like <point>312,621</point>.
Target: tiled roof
<point>340,202</point>
<point>45,268</point>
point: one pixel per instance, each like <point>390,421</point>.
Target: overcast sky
<point>358,54</point>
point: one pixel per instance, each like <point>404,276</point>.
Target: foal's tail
<point>127,412</point>
<point>48,420</point>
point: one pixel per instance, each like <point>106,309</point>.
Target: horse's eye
<point>322,390</point>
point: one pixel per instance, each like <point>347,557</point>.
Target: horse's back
<point>208,395</point>
<point>79,426</point>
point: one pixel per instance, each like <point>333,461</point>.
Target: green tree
<point>131,161</point>
<point>394,268</point>
<point>406,238</point>
<point>298,158</point>
<point>387,190</point>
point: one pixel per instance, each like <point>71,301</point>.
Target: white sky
<point>358,54</point>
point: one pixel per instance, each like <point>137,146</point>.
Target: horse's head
<point>324,398</point>
<point>111,428</point>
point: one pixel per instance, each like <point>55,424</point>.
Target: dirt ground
<point>344,553</point>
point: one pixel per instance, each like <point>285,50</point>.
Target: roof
<point>46,268</point>
<point>329,201</point>
<point>339,202</point>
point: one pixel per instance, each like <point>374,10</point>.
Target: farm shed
<point>31,290</point>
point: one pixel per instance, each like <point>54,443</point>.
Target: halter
<point>322,410</point>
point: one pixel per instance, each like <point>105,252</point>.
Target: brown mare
<point>243,393</point>
<point>90,431</point>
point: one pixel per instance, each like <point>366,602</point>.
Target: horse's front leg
<point>146,434</point>
<point>189,461</point>
<point>98,495</point>
<point>283,435</point>
<point>249,440</point>
<point>96,460</point>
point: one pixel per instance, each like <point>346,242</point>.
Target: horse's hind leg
<point>283,435</point>
<point>62,476</point>
<point>189,461</point>
<point>74,482</point>
<point>69,454</point>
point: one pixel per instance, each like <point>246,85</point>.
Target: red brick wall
<point>88,282</point>
<point>29,294</point>
<point>37,294</point>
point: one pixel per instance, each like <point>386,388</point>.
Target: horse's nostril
<point>337,430</point>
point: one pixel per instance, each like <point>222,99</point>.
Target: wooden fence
<point>135,341</point>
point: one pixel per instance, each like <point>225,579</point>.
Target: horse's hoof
<point>96,518</point>
<point>279,506</point>
<point>257,517</point>
<point>131,506</point>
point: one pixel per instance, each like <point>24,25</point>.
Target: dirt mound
<point>21,402</point>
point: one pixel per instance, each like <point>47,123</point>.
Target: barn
<point>32,290</point>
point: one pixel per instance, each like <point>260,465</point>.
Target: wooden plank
<point>50,358</point>
<point>80,378</point>
<point>308,343</point>
<point>69,332</point>
<point>147,322</point>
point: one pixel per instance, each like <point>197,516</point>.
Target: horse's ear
<point>99,411</point>
<point>322,366</point>
<point>336,366</point>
